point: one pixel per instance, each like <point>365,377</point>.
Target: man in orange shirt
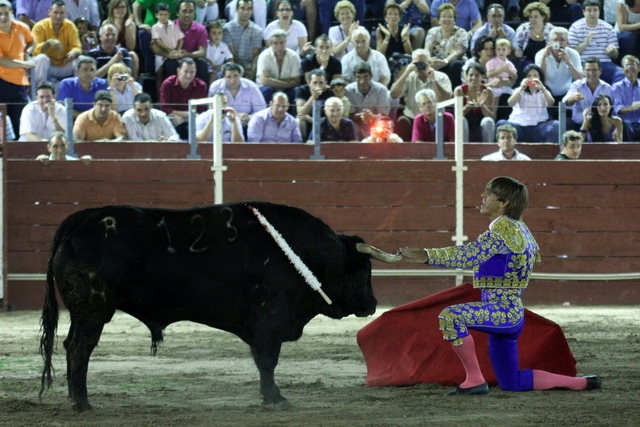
<point>58,44</point>
<point>99,124</point>
<point>15,38</point>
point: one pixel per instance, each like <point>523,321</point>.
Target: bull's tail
<point>49,321</point>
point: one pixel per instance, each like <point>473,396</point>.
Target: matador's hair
<point>513,191</point>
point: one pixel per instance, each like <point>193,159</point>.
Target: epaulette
<point>508,229</point>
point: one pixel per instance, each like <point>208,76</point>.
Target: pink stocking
<point>467,354</point>
<point>543,380</point>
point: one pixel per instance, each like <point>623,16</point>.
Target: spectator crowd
<point>131,67</point>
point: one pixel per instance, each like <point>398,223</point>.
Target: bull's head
<point>378,254</point>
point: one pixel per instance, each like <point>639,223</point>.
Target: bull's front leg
<point>266,353</point>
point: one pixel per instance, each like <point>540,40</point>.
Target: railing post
<point>562,121</point>
<point>317,155</point>
<point>440,134</point>
<point>218,168</point>
<point>68,118</point>
<point>193,143</point>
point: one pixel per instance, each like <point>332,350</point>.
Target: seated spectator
<point>394,37</point>
<point>447,44</point>
<point>382,131</point>
<point>483,52</point>
<point>85,8</point>
<point>584,91</point>
<point>533,36</point>
<point>565,10</point>
<point>627,26</point>
<point>43,116</point>
<point>144,123</point>
<point>194,43</point>
<point>57,44</point>
<point>626,98</point>
<point>295,30</point>
<point>166,36</point>
<point>495,26</point>
<point>468,18</point>
<point>369,100</point>
<point>58,147</point>
<point>334,127</point>
<point>339,89</point>
<point>32,11</point>
<point>560,63</point>
<point>209,12</point>
<point>243,94</point>
<point>145,21</point>
<point>326,7</point>
<point>306,95</point>
<point>274,124</point>
<point>340,35</point>
<point>417,76</point>
<point>364,53</point>
<point>218,53</point>
<point>501,72</point>
<point>412,14</point>
<point>244,38</point>
<point>303,10</point>
<point>88,38</point>
<point>507,137</point>
<point>82,89</point>
<point>99,124</point>
<point>591,36</point>
<point>175,93</point>
<point>119,14</point>
<point>108,53</point>
<point>258,13</point>
<point>123,87</point>
<point>231,124</point>
<point>530,116</point>
<point>278,68</point>
<point>424,125</point>
<point>322,58</point>
<point>479,113</point>
<point>571,146</point>
<point>599,125</point>
<point>11,135</point>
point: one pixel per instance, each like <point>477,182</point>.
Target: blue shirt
<point>486,29</point>
<point>579,106</point>
<point>623,95</point>
<point>82,101</point>
<point>467,12</point>
<point>263,128</point>
<point>346,132</point>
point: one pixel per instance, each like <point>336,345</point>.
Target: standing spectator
<point>15,39</point>
<point>584,91</point>
<point>144,24</point>
<point>100,123</point>
<point>144,123</point>
<point>119,14</point>
<point>177,90</point>
<point>394,37</point>
<point>274,124</point>
<point>412,15</point>
<point>340,35</point>
<point>495,26</point>
<point>363,53</point>
<point>417,76</point>
<point>532,36</point>
<point>194,43</point>
<point>295,30</point>
<point>218,53</point>
<point>307,95</point>
<point>325,7</point>
<point>231,124</point>
<point>479,113</point>
<point>627,27</point>
<point>32,11</point>
<point>591,36</point>
<point>334,127</point>
<point>108,53</point>
<point>560,63</point>
<point>369,99</point>
<point>123,88</point>
<point>571,146</point>
<point>599,125</point>
<point>58,44</point>
<point>626,98</point>
<point>530,116</point>
<point>278,67</point>
<point>82,89</point>
<point>447,44</point>
<point>507,137</point>
<point>424,125</point>
<point>468,18</point>
<point>84,8</point>
<point>323,59</point>
<point>244,38</point>
<point>43,116</point>
<point>243,94</point>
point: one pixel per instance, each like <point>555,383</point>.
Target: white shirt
<point>499,156</point>
<point>203,119</point>
<point>158,125</point>
<point>35,120</point>
<point>378,62</point>
<point>530,109</point>
<point>559,77</point>
<point>290,65</point>
<point>296,30</point>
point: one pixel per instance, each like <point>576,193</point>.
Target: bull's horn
<point>378,254</point>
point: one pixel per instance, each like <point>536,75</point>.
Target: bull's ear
<point>378,254</point>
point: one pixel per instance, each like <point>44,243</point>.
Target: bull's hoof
<point>280,405</point>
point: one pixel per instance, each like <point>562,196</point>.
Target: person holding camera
<point>382,131</point>
<point>122,87</point>
<point>418,76</point>
<point>231,124</point>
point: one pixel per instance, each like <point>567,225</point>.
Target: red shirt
<point>173,97</point>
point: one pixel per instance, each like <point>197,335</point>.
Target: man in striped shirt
<point>592,36</point>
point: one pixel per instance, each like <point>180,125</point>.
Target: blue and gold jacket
<point>501,257</point>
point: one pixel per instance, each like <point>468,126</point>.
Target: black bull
<point>213,265</point>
